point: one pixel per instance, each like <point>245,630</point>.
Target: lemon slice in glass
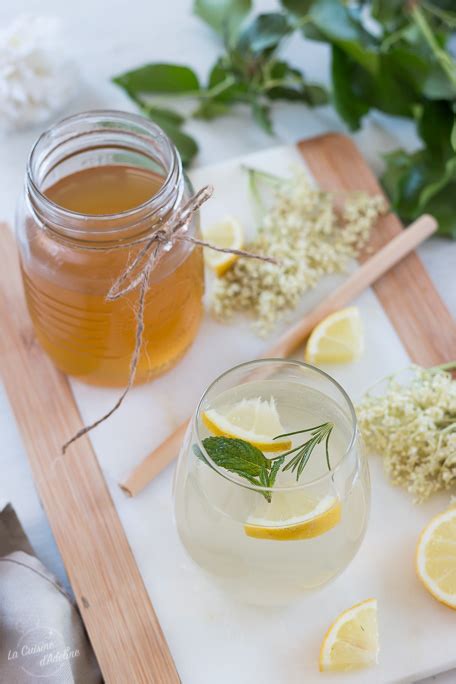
<point>338,338</point>
<point>436,557</point>
<point>293,515</point>
<point>227,233</point>
<point>351,643</point>
<point>253,420</point>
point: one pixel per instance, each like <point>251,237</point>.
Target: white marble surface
<point>106,37</point>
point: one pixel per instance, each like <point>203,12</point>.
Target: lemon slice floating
<point>292,516</point>
<point>227,233</point>
<point>351,643</point>
<point>253,420</point>
<point>436,557</point>
<point>338,338</point>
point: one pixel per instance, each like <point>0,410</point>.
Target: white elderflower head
<point>36,80</point>
<point>309,238</point>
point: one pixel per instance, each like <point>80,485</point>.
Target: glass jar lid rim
<point>171,181</point>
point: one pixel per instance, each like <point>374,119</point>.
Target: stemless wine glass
<point>270,544</point>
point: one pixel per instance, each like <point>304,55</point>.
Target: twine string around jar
<point>137,274</point>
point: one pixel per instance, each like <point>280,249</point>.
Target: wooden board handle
<point>372,269</point>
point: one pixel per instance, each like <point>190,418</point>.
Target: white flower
<point>36,79</point>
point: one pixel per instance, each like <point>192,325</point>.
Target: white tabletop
<point>107,37</point>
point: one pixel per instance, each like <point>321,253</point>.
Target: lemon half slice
<point>351,643</point>
<point>227,233</point>
<point>436,557</point>
<point>293,516</point>
<point>338,338</point>
<point>253,420</point>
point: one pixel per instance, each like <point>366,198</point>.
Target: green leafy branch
<point>249,73</point>
<point>399,61</point>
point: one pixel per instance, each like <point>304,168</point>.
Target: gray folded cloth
<point>42,638</point>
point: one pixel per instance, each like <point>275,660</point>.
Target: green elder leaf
<point>398,164</point>
<point>299,8</point>
<point>416,183</point>
<point>390,13</point>
<point>395,88</point>
<point>224,16</point>
<point>340,27</point>
<point>159,78</point>
<point>210,109</point>
<point>186,145</point>
<point>436,124</point>
<point>228,89</point>
<point>437,85</point>
<point>161,115</point>
<point>441,206</point>
<point>289,84</point>
<point>170,122</point>
<point>308,93</point>
<point>262,116</point>
<point>263,34</point>
<point>348,85</point>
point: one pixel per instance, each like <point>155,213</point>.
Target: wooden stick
<point>155,462</point>
<point>114,603</point>
<point>372,269</point>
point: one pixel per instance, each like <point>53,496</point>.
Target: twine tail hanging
<point>137,276</point>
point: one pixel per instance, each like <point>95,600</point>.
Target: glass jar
<point>95,183</point>
<point>271,544</point>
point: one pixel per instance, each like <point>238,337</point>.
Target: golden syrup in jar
<point>66,284</point>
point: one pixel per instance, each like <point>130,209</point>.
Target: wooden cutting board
<point>113,600</point>
<point>116,609</point>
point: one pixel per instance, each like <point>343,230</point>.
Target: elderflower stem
<point>451,365</point>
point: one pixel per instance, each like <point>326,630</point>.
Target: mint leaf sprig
<point>242,458</point>
<point>249,462</point>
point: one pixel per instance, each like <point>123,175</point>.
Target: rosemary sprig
<point>319,434</point>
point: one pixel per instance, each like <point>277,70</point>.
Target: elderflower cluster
<point>309,239</point>
<point>35,79</point>
<point>413,427</point>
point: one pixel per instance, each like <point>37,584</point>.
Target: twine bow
<point>137,275</point>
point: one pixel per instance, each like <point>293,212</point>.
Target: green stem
<point>267,177</point>
<point>254,175</point>
<point>219,88</point>
<point>445,17</point>
<point>451,365</point>
<point>302,22</point>
<point>445,61</point>
<point>392,38</point>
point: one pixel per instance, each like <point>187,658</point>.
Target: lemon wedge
<point>351,643</point>
<point>338,338</point>
<point>293,516</point>
<point>436,557</point>
<point>253,420</point>
<point>228,233</point>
